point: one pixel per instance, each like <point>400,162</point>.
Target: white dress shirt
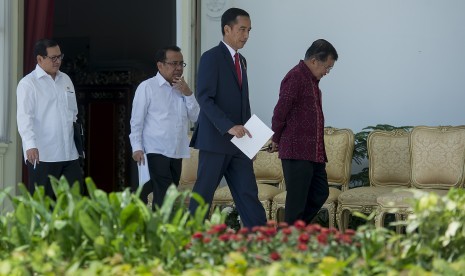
<point>159,119</point>
<point>46,111</point>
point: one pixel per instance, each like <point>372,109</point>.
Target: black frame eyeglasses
<point>176,63</point>
<point>55,58</point>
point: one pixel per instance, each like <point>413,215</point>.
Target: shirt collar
<point>40,72</point>
<point>161,80</point>
<point>231,50</point>
<point>304,67</point>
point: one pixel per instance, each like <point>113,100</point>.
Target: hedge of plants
<point>116,234</point>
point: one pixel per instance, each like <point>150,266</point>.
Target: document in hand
<point>260,132</point>
<point>144,175</point>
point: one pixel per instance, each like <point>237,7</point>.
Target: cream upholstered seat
<point>437,163</point>
<point>188,174</point>
<point>339,146</point>
<point>189,171</point>
<point>389,168</point>
<point>269,176</point>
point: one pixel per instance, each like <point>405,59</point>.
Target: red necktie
<point>238,69</point>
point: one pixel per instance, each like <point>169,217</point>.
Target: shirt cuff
<point>190,98</point>
<point>29,145</point>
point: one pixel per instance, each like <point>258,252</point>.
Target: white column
<point>5,62</point>
<point>11,52</point>
<point>3,148</point>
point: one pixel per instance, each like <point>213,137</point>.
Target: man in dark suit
<point>223,96</point>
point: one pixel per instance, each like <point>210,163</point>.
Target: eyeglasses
<point>176,63</point>
<point>327,68</point>
<point>55,58</point>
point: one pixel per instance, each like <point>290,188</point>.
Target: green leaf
<point>168,203</point>
<point>90,186</point>
<point>23,215</point>
<point>88,225</point>
<point>130,218</point>
<point>59,224</point>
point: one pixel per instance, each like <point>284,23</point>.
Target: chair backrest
<point>267,168</point>
<point>339,147</point>
<point>389,158</point>
<point>438,157</point>
<point>189,168</point>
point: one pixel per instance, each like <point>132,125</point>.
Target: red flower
<point>322,238</point>
<point>312,228</point>
<point>271,223</point>
<point>344,238</point>
<point>299,224</point>
<point>302,247</point>
<point>287,231</point>
<point>275,256</point>
<point>283,225</point>
<point>285,239</point>
<point>349,232</point>
<point>235,237</point>
<point>224,237</point>
<point>333,230</point>
<point>206,240</point>
<point>304,238</point>
<point>219,228</point>
<point>270,231</point>
<point>244,230</point>
<point>325,231</point>
<point>263,238</point>
<point>255,228</point>
<point>197,235</point>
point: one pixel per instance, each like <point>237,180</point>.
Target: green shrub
<point>436,229</point>
<point>116,234</point>
<point>97,227</point>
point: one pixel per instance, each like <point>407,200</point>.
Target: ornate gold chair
<point>269,176</point>
<point>438,164</point>
<point>339,146</point>
<point>189,171</point>
<point>389,168</point>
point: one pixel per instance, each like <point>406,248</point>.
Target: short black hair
<point>40,48</point>
<point>160,56</point>
<point>229,17</point>
<point>320,50</point>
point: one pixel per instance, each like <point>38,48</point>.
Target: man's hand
<point>274,147</point>
<point>239,131</point>
<point>138,156</point>
<point>32,155</point>
<point>181,85</point>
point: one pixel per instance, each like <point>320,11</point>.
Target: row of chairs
<point>428,158</point>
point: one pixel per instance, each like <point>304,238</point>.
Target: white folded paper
<point>144,175</point>
<point>260,132</point>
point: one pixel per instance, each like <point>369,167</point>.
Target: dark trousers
<point>163,172</point>
<point>307,189</point>
<point>40,175</point>
<point>238,171</point>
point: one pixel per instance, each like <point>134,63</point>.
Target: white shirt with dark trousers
<point>159,127</point>
<point>46,110</point>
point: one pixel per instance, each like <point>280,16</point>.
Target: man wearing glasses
<point>46,111</point>
<point>298,125</point>
<point>162,108</point>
